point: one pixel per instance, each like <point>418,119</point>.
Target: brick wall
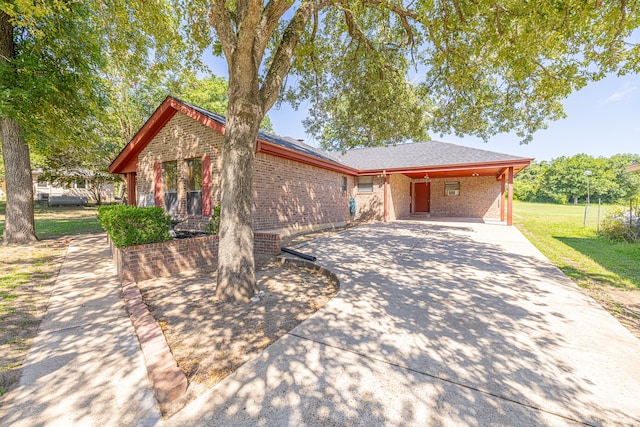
<point>181,139</point>
<point>294,196</point>
<point>143,262</point>
<point>370,205</point>
<point>399,197</point>
<point>479,197</point>
<point>287,194</point>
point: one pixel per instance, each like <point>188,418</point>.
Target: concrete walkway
<point>85,367</point>
<point>438,324</point>
<point>435,324</point>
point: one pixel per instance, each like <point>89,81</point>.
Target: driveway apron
<point>438,324</point>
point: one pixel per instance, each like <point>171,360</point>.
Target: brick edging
<point>169,382</point>
<point>310,265</point>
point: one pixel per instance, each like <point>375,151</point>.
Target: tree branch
<point>281,62</point>
<point>220,19</point>
<point>459,11</point>
<point>271,15</point>
<point>354,30</point>
<point>249,16</point>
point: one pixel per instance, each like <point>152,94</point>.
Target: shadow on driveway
<point>438,324</point>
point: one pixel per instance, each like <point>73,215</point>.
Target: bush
<point>214,225</point>
<point>621,225</point>
<point>131,225</point>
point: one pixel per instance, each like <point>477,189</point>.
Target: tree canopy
<point>55,59</point>
<point>377,72</point>
<point>381,72</point>
<point>563,180</point>
<point>374,71</point>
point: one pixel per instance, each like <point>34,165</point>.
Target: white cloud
<point>622,93</point>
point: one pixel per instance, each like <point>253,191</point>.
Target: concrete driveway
<point>438,324</point>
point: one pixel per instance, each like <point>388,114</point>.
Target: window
<point>81,184</point>
<point>452,189</point>
<point>194,187</point>
<point>43,183</point>
<point>344,185</point>
<point>365,184</point>
<point>170,185</point>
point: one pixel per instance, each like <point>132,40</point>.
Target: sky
<point>603,119</point>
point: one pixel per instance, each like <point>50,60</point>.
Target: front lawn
<point>558,232</point>
<point>61,221</point>
<point>608,271</point>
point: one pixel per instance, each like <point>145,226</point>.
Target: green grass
<point>61,221</point>
<point>589,259</point>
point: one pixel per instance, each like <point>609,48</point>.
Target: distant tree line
<point>563,180</point>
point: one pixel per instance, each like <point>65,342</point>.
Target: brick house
<point>174,161</point>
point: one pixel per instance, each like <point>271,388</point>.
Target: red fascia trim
<point>208,122</point>
<point>266,147</point>
<point>447,168</point>
<point>150,129</point>
<point>156,122</point>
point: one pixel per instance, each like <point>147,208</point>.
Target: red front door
<point>422,196</point>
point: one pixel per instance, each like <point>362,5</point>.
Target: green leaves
<point>131,225</point>
<point>563,179</point>
<point>477,68</point>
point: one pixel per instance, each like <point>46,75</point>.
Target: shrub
<point>621,225</point>
<point>213,227</point>
<point>131,225</point>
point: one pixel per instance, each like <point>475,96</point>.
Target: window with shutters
<point>194,186</point>
<point>170,185</point>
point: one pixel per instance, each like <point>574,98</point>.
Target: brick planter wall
<point>143,262</point>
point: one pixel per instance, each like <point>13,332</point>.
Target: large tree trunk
<point>18,225</point>
<point>236,267</point>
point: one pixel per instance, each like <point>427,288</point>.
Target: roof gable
<point>126,161</point>
<point>403,157</point>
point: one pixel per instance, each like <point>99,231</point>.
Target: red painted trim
<point>190,112</point>
<point>131,189</point>
<point>130,152</point>
<point>386,197</point>
<point>289,154</point>
<point>510,202</point>
<point>157,184</point>
<point>501,201</point>
<point>206,185</point>
<point>411,197</point>
<point>448,168</point>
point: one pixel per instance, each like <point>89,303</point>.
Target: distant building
<point>43,188</point>
<point>634,168</point>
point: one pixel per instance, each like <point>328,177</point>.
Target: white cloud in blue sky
<point>622,93</point>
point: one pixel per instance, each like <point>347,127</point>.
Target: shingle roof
<point>286,142</point>
<point>430,153</point>
<point>410,155</point>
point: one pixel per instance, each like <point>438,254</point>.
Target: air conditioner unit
<point>453,192</point>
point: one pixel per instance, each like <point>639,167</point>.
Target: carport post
<point>386,190</point>
<point>501,202</point>
<point>510,202</point>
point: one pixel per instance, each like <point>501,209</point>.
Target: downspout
<point>386,197</point>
